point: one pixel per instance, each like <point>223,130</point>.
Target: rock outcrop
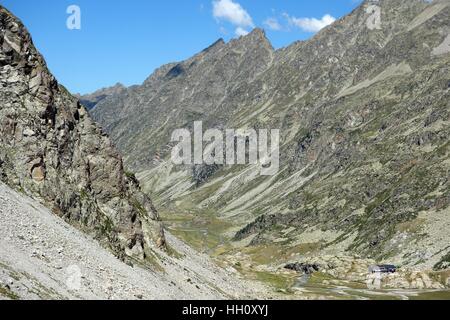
<point>52,150</point>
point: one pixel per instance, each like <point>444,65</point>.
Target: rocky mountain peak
<point>255,39</point>
<point>257,34</point>
<point>216,45</point>
<point>181,91</point>
<point>91,100</point>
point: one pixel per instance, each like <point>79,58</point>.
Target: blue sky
<point>125,40</point>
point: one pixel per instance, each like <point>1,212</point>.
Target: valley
<point>93,205</point>
<point>364,124</point>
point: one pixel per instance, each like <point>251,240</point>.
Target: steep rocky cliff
<point>365,124</point>
<point>52,150</point>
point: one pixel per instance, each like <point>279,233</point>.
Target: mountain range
<point>364,120</point>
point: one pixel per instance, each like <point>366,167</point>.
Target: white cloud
<point>232,12</point>
<point>311,24</point>
<point>272,24</point>
<point>241,32</point>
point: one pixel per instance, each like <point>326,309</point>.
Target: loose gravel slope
<point>43,257</point>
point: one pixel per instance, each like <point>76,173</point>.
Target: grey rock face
<point>52,150</point>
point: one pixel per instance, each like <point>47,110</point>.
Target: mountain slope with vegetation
<point>364,118</point>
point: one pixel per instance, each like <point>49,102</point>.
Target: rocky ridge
<point>196,86</point>
<point>91,100</point>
